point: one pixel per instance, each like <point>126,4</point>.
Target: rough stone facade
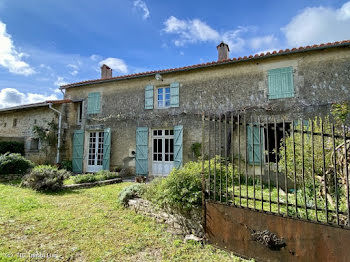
<point>321,77</point>
<point>17,125</point>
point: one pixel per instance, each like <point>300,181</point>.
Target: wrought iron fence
<point>295,168</point>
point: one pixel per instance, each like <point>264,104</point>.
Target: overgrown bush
<point>45,178</point>
<point>11,147</point>
<point>14,164</point>
<point>99,176</point>
<point>129,192</point>
<point>182,189</point>
<point>67,165</point>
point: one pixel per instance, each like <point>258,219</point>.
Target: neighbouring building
<point>18,124</point>
<point>150,121</point>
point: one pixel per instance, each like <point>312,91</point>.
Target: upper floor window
<point>80,113</point>
<point>280,83</point>
<point>163,98</point>
<point>94,102</point>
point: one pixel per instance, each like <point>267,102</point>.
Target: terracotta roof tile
<point>267,54</point>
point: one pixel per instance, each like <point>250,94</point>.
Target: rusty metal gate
<point>277,189</point>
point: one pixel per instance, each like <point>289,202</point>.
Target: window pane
<point>160,145</point>
<point>160,90</point>
<point>167,90</point>
<point>171,132</point>
<point>166,145</point>
<point>167,97</point>
<point>154,132</point>
<point>155,145</point>
<point>160,103</point>
<point>160,132</point>
<point>167,103</point>
<point>154,157</point>
<point>166,132</point>
<point>159,157</point>
<point>166,157</point>
<point>171,145</point>
<point>171,157</point>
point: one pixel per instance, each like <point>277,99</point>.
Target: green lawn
<point>87,225</point>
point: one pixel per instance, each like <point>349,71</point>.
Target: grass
<point>87,225</point>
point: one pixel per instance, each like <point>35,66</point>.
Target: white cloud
<point>12,97</point>
<point>60,81</point>
<point>261,42</point>
<point>75,69</point>
<point>95,57</point>
<point>319,25</point>
<point>142,5</point>
<point>116,64</point>
<point>196,31</point>
<point>10,58</point>
<point>190,31</point>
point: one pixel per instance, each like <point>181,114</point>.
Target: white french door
<point>95,156</point>
<point>163,151</point>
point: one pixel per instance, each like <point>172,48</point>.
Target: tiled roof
<point>214,63</point>
<point>40,104</point>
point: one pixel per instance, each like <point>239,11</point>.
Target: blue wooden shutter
<point>106,148</point>
<point>149,97</point>
<point>78,151</point>
<point>280,81</point>
<point>174,94</point>
<point>256,142</point>
<point>93,106</point>
<point>178,139</point>
<point>141,151</point>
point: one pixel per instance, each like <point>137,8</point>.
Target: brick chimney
<point>223,51</point>
<point>106,72</point>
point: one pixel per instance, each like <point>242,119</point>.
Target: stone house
<point>151,120</point>
<point>17,124</point>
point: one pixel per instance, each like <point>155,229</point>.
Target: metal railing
<point>294,168</point>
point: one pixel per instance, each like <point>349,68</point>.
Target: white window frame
<point>163,136</point>
<point>164,100</point>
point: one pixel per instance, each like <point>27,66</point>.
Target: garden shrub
<point>182,189</point>
<point>99,176</point>
<point>11,147</point>
<point>67,165</point>
<point>45,178</point>
<point>128,193</point>
<point>14,164</point>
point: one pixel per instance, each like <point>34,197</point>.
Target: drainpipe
<point>59,132</point>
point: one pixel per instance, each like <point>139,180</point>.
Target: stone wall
<point>320,78</point>
<point>180,224</point>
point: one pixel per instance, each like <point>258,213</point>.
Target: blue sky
<point>46,43</point>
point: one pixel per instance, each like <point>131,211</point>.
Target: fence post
<point>203,176</point>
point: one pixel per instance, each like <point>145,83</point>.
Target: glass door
<point>95,156</point>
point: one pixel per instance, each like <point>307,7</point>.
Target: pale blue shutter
<point>174,94</point>
<point>280,81</point>
<point>149,97</point>
<point>256,142</point>
<point>93,106</point>
<point>178,139</point>
<point>141,151</point>
<point>106,148</point>
<point>78,151</point>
